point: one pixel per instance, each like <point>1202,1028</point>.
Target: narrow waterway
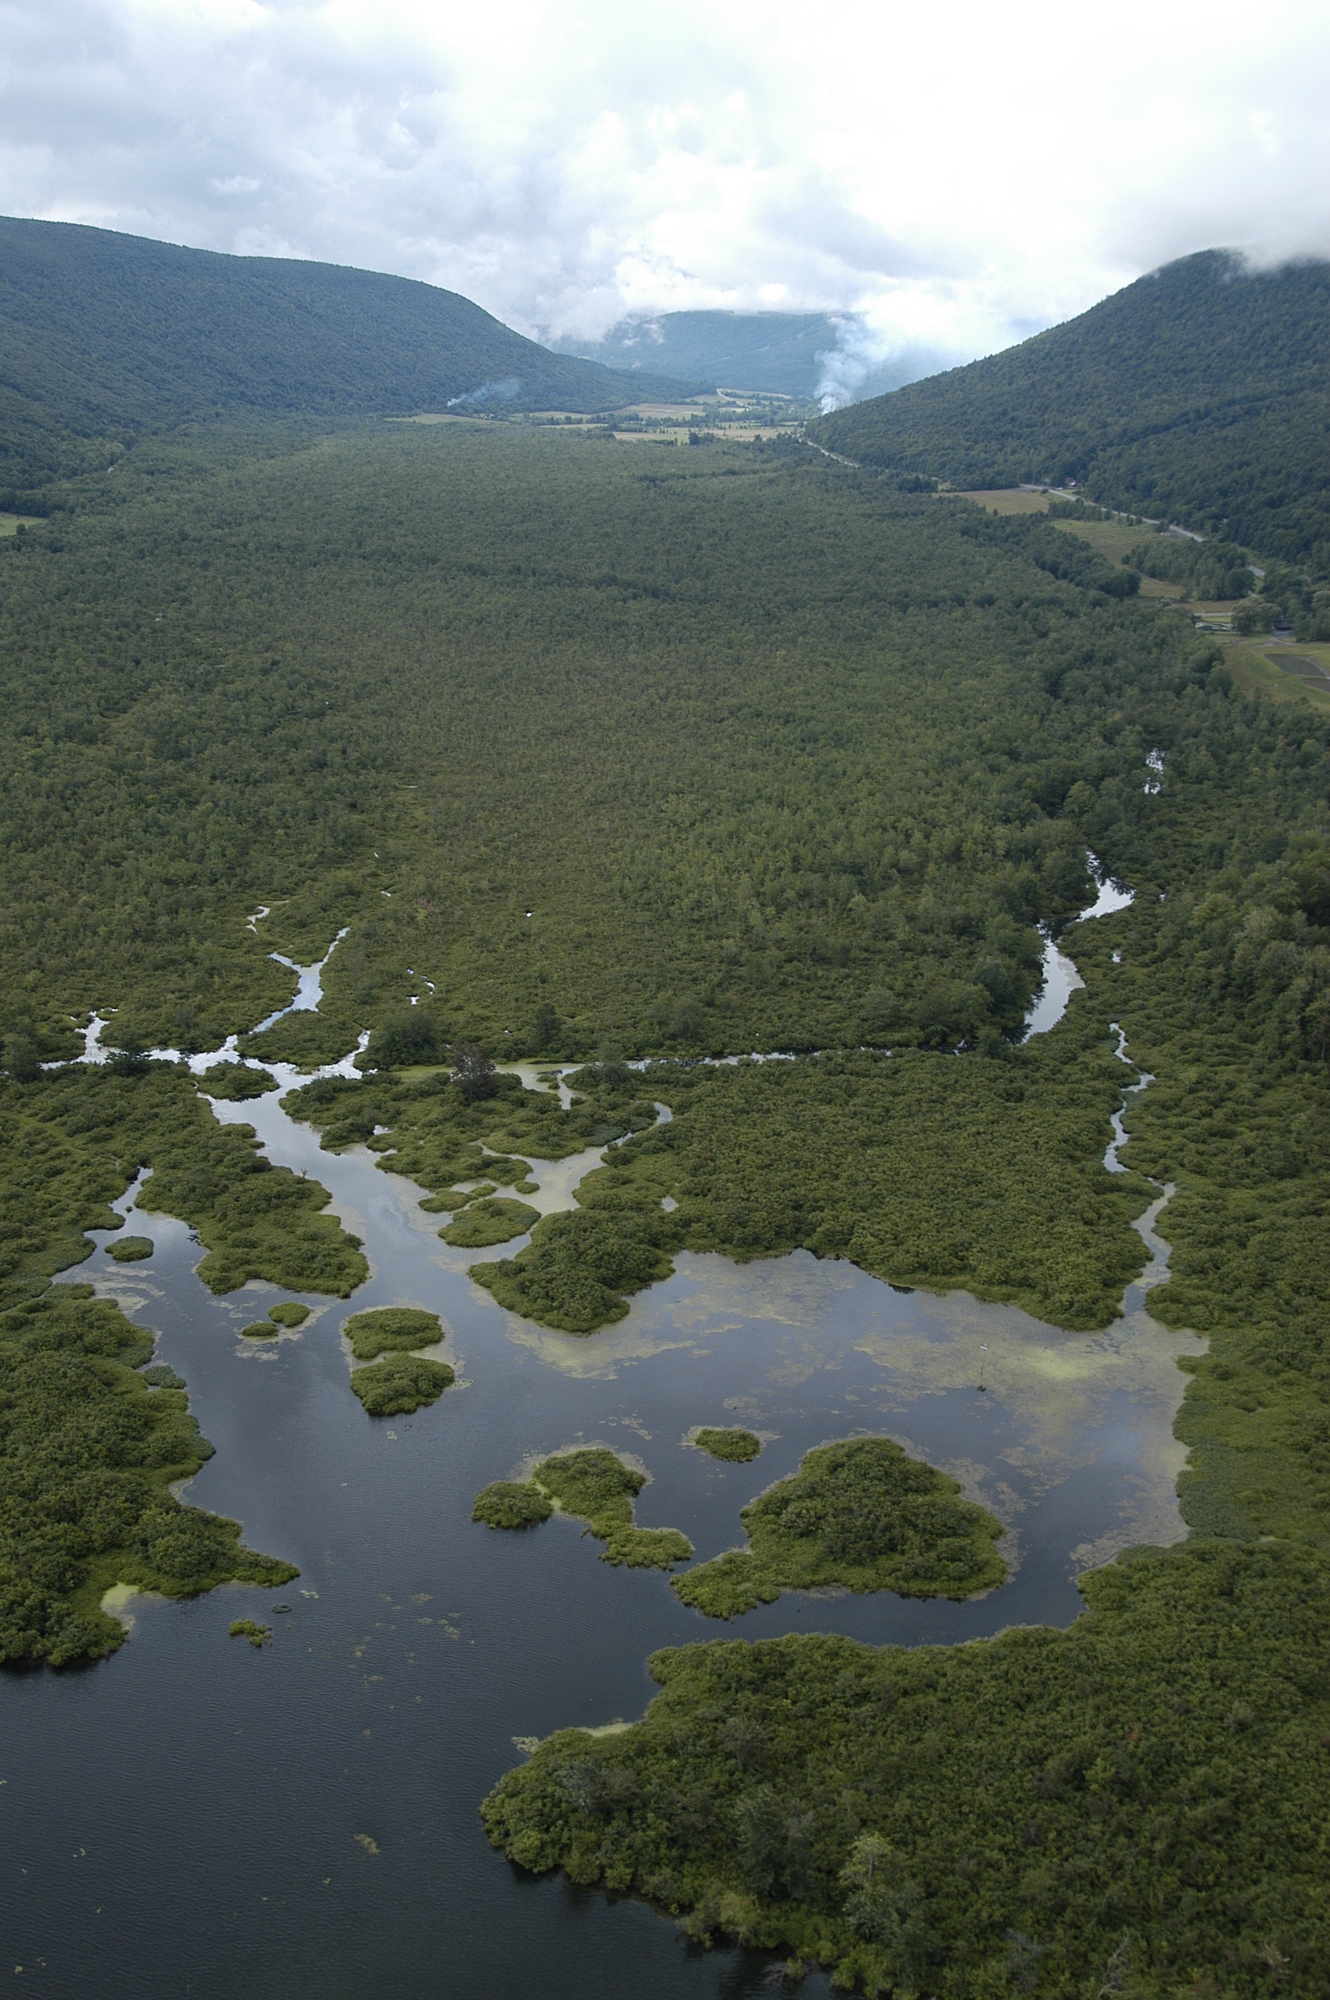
<point>195,1817</point>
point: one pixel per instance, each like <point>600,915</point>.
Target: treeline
<point>1200,393</point>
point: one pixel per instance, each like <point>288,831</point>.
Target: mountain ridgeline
<point>788,354</point>
<point>104,337</point>
<point>1200,393</point>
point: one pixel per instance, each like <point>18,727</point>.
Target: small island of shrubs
<point>287,1313</point>
<point>248,1628</point>
<point>595,1485</point>
<point>236,1082</point>
<point>490,1220</point>
<point>860,1516</point>
<point>401,1384</point>
<point>130,1249</point>
<point>403,1380</point>
<point>734,1444</point>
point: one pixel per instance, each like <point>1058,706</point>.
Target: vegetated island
<point>90,1445</point>
<point>860,1516</point>
<point>493,1219</point>
<point>288,1313</point>
<point>129,1249</point>
<point>404,1380</point>
<point>733,1443</point>
<point>595,1485</point>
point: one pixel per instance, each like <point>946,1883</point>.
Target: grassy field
<point>1260,668</point>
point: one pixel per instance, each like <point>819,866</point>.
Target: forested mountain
<point>1202,392</point>
<point>103,336</point>
<point>780,352</point>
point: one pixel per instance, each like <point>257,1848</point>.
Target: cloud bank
<point>954,179</point>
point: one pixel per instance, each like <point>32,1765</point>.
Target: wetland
<point>803,767</point>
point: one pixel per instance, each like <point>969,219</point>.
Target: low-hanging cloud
<point>488,392</point>
<point>946,184</point>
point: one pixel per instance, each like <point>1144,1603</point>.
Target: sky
<point>954,176</point>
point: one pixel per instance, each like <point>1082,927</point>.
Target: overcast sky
<point>962,174</point>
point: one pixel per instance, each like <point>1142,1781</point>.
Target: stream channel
<point>197,1817</point>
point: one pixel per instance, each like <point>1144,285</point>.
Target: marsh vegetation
<point>857,1516</point>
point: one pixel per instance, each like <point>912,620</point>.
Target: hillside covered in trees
<point>105,336</point>
<point>1201,393</point>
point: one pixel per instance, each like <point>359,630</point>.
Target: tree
<point>474,1073</point>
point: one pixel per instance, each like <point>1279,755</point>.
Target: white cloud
<point>959,177</point>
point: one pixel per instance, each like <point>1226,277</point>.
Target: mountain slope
<point>103,336</point>
<point>1202,392</point>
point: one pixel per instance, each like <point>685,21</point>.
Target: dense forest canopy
<point>1201,394</point>
<point>104,336</point>
<point>680,751</point>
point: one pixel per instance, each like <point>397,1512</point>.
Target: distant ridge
<point>1201,392</point>
<point>785,353</point>
<point>103,336</point>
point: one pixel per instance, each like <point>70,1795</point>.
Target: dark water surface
<point>190,1816</point>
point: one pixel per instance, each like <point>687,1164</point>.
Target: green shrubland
<point>858,1516</point>
<point>236,1082</point>
<point>597,1487</point>
<point>1132,1805</point>
<point>401,1384</point>
<point>129,1249</point>
<point>732,1443</point>
<point>489,1221</point>
<point>249,1628</point>
<point>512,1503</point>
<point>841,816</point>
<point>391,1330</point>
<point>288,1313</point>
<point>89,1450</point>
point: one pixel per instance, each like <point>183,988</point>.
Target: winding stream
<point>312,1806</point>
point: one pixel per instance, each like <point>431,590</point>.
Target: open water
<point>195,1817</point>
